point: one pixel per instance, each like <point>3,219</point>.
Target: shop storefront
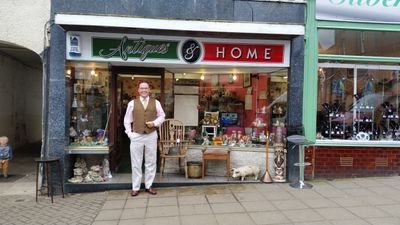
<point>235,86</point>
<point>357,89</point>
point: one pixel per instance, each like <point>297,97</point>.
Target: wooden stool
<point>46,163</point>
<point>215,154</point>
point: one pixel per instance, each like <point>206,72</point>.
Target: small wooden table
<point>217,154</point>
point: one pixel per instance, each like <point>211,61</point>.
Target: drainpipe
<point>45,68</point>
<point>45,92</point>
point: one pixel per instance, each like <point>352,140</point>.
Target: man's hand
<point>150,124</point>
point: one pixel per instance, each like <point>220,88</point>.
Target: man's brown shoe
<point>134,193</point>
<point>151,191</point>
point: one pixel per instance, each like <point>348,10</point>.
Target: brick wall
<point>341,162</point>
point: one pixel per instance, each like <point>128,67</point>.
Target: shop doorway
<point>125,82</point>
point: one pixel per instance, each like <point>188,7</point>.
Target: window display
<point>220,111</point>
<point>239,110</point>
<point>358,98</point>
<point>360,102</point>
<point>88,101</point>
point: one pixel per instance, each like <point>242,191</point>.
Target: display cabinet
<point>391,130</point>
<point>390,122</point>
<point>364,121</point>
<point>278,112</point>
<point>334,122</point>
<point>337,125</point>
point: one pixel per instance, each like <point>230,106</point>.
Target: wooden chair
<point>172,144</point>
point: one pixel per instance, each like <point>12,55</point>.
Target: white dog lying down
<point>244,171</point>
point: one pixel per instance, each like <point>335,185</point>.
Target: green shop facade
<point>352,89</point>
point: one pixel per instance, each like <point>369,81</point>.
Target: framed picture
<point>211,118</point>
<point>247,80</point>
<point>78,88</point>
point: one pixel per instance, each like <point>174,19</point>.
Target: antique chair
<point>172,144</point>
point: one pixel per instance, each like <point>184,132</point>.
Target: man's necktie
<point>145,101</point>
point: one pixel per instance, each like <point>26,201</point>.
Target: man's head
<point>144,89</point>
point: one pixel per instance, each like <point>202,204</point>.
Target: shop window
<point>233,109</point>
<point>358,102</point>
<point>360,43</point>
<point>87,99</point>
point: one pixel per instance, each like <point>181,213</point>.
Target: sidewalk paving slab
<point>358,201</point>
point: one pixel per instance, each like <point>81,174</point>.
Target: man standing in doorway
<point>143,115</point>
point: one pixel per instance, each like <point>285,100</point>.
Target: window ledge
<point>340,142</point>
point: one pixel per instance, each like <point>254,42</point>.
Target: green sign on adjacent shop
<point>142,49</point>
<point>375,11</point>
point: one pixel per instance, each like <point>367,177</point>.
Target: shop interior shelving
<point>337,126</point>
<point>364,120</point>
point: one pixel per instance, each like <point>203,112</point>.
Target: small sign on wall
<point>74,45</point>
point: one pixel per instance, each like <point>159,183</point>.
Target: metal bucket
<point>194,169</point>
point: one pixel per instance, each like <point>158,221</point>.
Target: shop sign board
<point>140,48</point>
<point>177,50</point>
<point>375,11</point>
<point>243,52</point>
